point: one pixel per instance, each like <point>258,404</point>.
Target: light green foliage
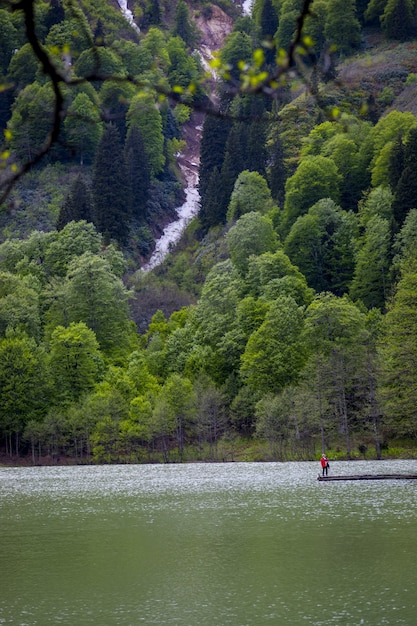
<point>377,203</point>
<point>335,335</point>
<point>398,354</point>
<point>8,40</point>
<point>75,239</point>
<point>342,29</point>
<point>46,255</point>
<point>144,114</point>
<point>183,68</point>
<point>375,10</point>
<point>24,66</point>
<point>274,354</point>
<point>94,295</point>
<point>83,127</point>
<point>75,361</point>
<point>371,278</point>
<point>315,23</point>
<point>23,383</point>
<point>25,257</point>
<point>405,244</point>
<point>136,59</point>
<point>73,35</point>
<point>31,120</point>
<point>320,244</point>
<point>332,323</point>
<point>99,62</point>
<point>144,383</point>
<point>316,177</point>
<point>19,304</point>
<point>253,234</point>
<point>215,311</point>
<point>273,422</point>
<point>236,50</point>
<point>389,128</point>
<point>174,412</point>
<point>272,275</point>
<point>312,145</point>
<point>250,193</point>
<point>154,43</point>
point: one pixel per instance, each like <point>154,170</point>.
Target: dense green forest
<point>285,321</point>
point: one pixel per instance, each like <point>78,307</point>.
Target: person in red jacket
<point>324,462</point>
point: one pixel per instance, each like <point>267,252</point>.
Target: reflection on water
<point>240,544</point>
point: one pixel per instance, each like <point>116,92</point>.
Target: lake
<point>207,544</point>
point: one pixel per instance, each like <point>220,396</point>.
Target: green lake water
<point>206,545</point>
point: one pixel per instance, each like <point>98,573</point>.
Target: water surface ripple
<point>206,544</point>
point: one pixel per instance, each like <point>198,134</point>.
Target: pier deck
<point>368,477</point>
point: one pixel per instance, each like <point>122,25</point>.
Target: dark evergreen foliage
<point>153,13</point>
<point>406,190</point>
<point>277,174</point>
<point>405,195</point>
<point>111,210</point>
<point>396,164</point>
<point>183,25</point>
<point>212,206</point>
<point>256,151</point>
<point>138,174</point>
<point>398,19</point>
<point>78,204</point>
<point>269,26</point>
<point>55,14</point>
<point>213,144</point>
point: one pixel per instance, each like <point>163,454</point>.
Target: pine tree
<point>342,29</point>
<point>405,195</point>
<point>183,25</point>
<point>396,164</point>
<point>269,26</point>
<point>398,352</point>
<point>256,152</point>
<point>213,144</point>
<point>111,212</point>
<point>277,174</point>
<point>153,13</point>
<point>268,20</point>
<point>212,205</point>
<point>138,174</point>
<point>398,19</point>
<point>77,206</point>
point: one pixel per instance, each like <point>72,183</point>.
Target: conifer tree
<point>268,25</point>
<point>78,204</point>
<point>342,28</point>
<point>398,19</point>
<point>111,213</point>
<point>398,352</point>
<point>153,13</point>
<point>396,164</point>
<point>406,190</point>
<point>138,173</point>
<point>256,153</point>
<point>268,20</point>
<point>277,174</point>
<point>183,25</point>
<point>211,206</point>
<point>213,144</point>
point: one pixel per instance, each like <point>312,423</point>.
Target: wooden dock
<point>368,477</point>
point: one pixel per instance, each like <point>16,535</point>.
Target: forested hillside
<point>285,321</point>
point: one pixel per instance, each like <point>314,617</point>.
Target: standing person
<point>324,462</point>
